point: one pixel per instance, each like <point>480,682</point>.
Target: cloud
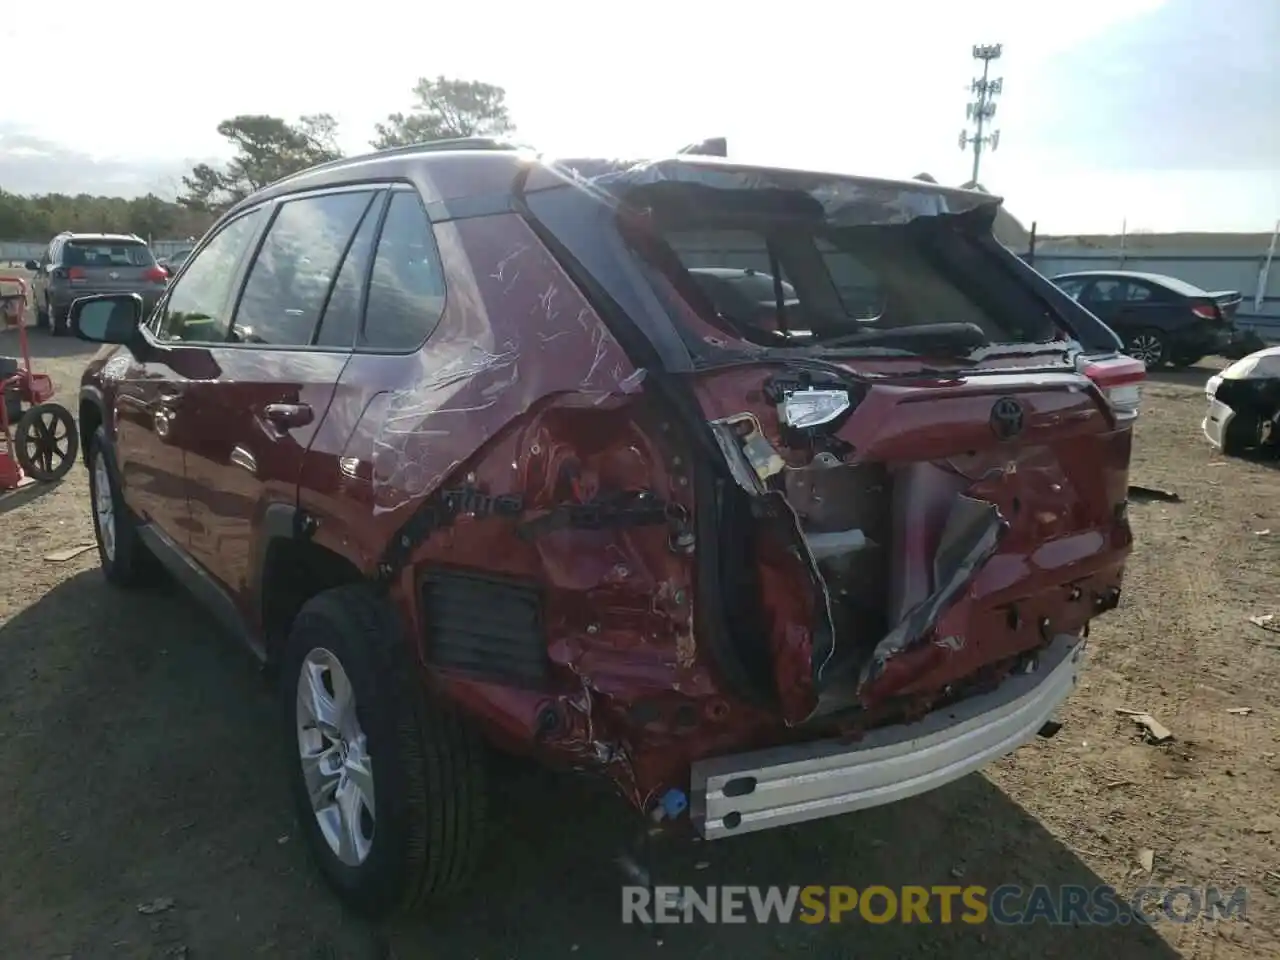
<point>33,165</point>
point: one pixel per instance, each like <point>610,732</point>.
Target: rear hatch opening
<point>932,462</point>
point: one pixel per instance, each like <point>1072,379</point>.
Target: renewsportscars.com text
<point>1006,905</point>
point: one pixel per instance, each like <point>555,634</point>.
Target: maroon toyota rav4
<point>767,495</point>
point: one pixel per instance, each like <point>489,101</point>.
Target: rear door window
<point>341,318</point>
<point>406,288</point>
<point>1109,291</point>
<point>295,268</point>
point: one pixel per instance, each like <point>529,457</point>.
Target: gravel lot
<point>142,760</point>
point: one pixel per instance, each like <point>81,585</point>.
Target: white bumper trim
<point>792,784</point>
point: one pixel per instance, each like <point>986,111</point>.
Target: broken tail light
<point>1120,380</point>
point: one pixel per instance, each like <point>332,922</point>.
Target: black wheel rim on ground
<point>46,442</point>
<point>1147,347</point>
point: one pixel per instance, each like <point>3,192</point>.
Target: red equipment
<point>44,442</point>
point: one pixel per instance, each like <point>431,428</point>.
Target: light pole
<point>982,109</point>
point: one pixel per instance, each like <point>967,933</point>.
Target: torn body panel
<point>963,548</point>
<point>531,509</point>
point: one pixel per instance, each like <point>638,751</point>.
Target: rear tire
<point>1241,434</point>
<point>42,317</point>
<point>420,836</point>
<point>1149,346</point>
<point>1183,360</point>
<point>57,321</point>
<point>126,561</point>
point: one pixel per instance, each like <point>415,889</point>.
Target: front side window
<point>198,308</point>
<point>295,269</point>
<point>406,290</point>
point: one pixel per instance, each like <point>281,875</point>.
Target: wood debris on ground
<point>1153,730</point>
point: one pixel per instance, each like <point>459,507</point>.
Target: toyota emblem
<point>1006,418</point>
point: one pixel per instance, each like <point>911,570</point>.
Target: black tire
<point>129,563</point>
<point>1241,434</point>
<point>46,442</point>
<point>1181,361</point>
<point>428,766</point>
<point>57,321</point>
<point>1150,346</point>
<point>42,317</point>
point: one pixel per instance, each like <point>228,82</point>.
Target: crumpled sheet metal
<point>845,201</point>
<point>515,331</point>
<point>973,531</point>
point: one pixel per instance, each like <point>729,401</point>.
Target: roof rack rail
<point>424,146</point>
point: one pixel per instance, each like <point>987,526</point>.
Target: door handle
<point>285,416</point>
<point>170,397</point>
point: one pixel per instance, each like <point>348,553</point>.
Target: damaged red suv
<point>767,495</point>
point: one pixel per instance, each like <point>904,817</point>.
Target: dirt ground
<point>141,760</point>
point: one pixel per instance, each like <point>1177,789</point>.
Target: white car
<point>1244,403</point>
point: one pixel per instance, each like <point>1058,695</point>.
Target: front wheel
<point>388,783</point>
<point>46,442</point>
<point>126,561</point>
<point>1150,347</point>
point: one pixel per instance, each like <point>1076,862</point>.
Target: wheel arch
<point>91,416</point>
<point>289,568</point>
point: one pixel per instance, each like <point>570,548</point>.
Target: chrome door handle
<point>245,460</point>
<point>285,416</point>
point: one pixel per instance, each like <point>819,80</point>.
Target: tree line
<point>266,149</point>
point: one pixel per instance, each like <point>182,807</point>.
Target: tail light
<point>1120,380</point>
<point>1205,311</point>
<point>155,274</point>
<point>76,273</point>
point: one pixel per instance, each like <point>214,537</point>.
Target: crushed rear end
<point>916,457</point>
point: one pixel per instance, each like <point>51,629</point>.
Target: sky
<point>1154,114</point>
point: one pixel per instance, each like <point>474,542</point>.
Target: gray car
<point>79,264</point>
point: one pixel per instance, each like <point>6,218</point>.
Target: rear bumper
<point>796,783</point>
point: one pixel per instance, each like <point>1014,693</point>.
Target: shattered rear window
<point>859,261</point>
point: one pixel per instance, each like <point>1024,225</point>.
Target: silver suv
<point>80,264</point>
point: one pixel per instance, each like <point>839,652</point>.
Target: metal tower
<point>982,109</point>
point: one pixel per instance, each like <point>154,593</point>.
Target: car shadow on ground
<point>45,346</point>
<point>1194,376</point>
<point>26,494</point>
<point>144,764</point>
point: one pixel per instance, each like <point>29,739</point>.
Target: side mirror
<point>31,265</point>
<point>107,317</point>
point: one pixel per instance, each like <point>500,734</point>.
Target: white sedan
<point>1244,403</point>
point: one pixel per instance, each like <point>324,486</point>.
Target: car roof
<point>1159,279</point>
<point>472,167</point>
<point>103,237</point>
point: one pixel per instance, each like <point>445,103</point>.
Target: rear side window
<point>295,268</point>
<point>406,289</point>
<point>83,253</point>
